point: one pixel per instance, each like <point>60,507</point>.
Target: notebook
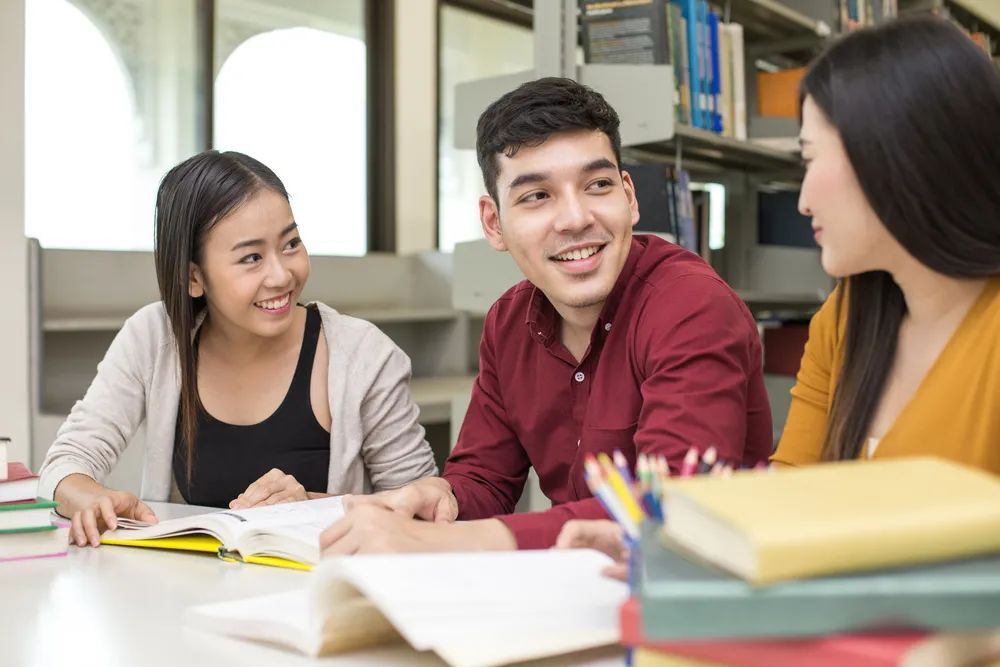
<point>913,649</point>
<point>472,609</point>
<point>21,484</point>
<point>836,517</point>
<point>284,535</point>
<point>684,598</point>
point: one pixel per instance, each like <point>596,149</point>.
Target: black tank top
<point>228,457</point>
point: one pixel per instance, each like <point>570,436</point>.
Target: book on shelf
<point>472,609</point>
<point>625,31</point>
<point>684,598</point>
<point>40,542</point>
<point>284,535</point>
<point>838,517</point>
<point>21,484</point>
<point>26,514</point>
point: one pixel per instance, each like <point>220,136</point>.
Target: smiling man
<point>611,342</point>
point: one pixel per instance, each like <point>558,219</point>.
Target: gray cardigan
<point>375,438</point>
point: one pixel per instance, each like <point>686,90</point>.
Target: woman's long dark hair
<point>193,196</point>
<point>917,106</point>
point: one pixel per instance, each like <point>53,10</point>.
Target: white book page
<point>438,600</point>
<point>309,517</point>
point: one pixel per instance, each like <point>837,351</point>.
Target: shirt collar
<point>542,317</point>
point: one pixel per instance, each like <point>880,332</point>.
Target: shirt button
<point>578,377</point>
<point>607,327</point>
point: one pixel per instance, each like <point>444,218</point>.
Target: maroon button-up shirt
<point>674,361</point>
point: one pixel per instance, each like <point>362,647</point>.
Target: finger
<point>258,492</point>
<point>107,512</point>
<point>569,535</point>
<point>140,512</point>
<point>76,528</point>
<point>446,511</point>
<point>89,519</point>
<point>617,571</point>
<point>347,545</point>
<point>335,532</point>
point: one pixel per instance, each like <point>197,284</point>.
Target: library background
<point>115,92</point>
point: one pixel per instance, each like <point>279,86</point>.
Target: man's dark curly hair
<point>531,113</point>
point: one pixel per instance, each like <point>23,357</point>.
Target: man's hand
<point>603,535</point>
<point>273,487</point>
<point>370,528</point>
<point>430,499</point>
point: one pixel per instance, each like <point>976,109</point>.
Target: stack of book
<point>27,529</point>
<point>706,54</point>
<point>867,564</point>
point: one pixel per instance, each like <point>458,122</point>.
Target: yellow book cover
<point>836,517</point>
<point>284,535</point>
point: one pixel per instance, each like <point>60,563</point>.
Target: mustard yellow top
<point>954,413</point>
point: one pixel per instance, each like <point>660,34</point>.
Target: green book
<point>32,514</point>
<point>682,598</point>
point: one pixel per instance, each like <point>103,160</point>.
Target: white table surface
<point>113,606</point>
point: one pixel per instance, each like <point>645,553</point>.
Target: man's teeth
<point>582,253</point>
<point>273,304</point>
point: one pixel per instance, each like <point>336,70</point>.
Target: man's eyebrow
<point>523,179</point>
<point>255,242</point>
<point>599,164</point>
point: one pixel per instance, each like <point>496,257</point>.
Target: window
<point>293,95</point>
<point>113,101</point>
<point>105,117</point>
<point>473,46</point>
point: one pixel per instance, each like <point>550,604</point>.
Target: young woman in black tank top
<point>256,382</point>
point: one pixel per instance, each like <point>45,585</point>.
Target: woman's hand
<point>272,488</point>
<point>603,535</point>
<point>94,509</point>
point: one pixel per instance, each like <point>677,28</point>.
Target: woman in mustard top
<point>901,140</point>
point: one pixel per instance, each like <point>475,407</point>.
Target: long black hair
<point>917,105</point>
<point>192,198</point>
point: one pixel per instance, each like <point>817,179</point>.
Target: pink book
<point>21,484</point>
<point>917,649</point>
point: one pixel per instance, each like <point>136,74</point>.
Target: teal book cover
<point>683,598</point>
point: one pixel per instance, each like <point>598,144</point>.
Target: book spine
<point>676,614</point>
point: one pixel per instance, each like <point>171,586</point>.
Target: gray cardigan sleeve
<point>99,427</point>
<point>394,449</point>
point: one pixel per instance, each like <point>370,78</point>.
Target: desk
<point>114,606</point>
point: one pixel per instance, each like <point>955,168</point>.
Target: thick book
<point>836,517</point>
<point>472,609</point>
<point>905,649</point>
<point>32,514</point>
<point>4,446</point>
<point>21,484</point>
<point>625,32</point>
<point>683,597</point>
<point>284,535</point>
<point>41,542</point>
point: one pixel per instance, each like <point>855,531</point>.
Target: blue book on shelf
<point>689,9</point>
<point>715,74</point>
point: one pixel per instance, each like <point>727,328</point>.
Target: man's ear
<point>196,281</point>
<point>489,216</point>
<point>633,203</point>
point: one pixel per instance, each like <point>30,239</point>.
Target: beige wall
<point>14,397</point>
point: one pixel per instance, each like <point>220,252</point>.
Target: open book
<point>472,609</point>
<point>284,535</point>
